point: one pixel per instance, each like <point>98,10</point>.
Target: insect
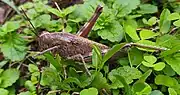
<point>72,46</point>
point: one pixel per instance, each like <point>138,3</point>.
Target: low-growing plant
<point>147,30</point>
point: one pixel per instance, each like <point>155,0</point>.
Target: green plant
<point>147,30</point>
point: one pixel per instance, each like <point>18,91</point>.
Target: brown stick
<point>84,31</point>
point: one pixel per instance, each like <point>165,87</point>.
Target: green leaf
<point>99,81</point>
<point>173,61</point>
<point>131,32</point>
<point>113,32</point>
<point>90,91</point>
<point>14,47</point>
<point>143,78</point>
<point>97,57</point>
<point>50,77</point>
<point>174,16</point>
<point>171,51</point>
<point>53,61</point>
<point>136,56</point>
<point>169,71</point>
<point>156,92</point>
<point>4,91</point>
<point>147,64</point>
<point>165,80</point>
<point>73,80</point>
<point>152,21</point>
<point>164,23</point>
<point>125,7</point>
<point>126,86</point>
<point>112,51</point>
<point>150,58</point>
<point>147,34</point>
<point>32,68</point>
<point>28,84</point>
<point>129,73</point>
<point>55,11</point>
<point>167,41</point>
<point>2,63</point>
<point>9,77</point>
<point>172,91</point>
<point>142,88</point>
<point>147,9</point>
<point>9,26</point>
<point>177,23</point>
<point>159,66</point>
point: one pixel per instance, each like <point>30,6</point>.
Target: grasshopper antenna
<point>84,31</point>
<point>27,18</point>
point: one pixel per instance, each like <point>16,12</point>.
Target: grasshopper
<point>70,46</point>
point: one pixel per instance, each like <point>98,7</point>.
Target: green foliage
<point>90,91</point>
<point>8,77</point>
<point>150,67</point>
<point>129,73</point>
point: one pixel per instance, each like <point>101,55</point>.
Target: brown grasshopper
<point>70,46</point>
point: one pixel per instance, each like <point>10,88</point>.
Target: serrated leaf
<point>165,80</point>
<point>129,73</point>
<point>174,16</point>
<point>164,23</point>
<point>173,61</point>
<point>9,77</point>
<point>14,47</point>
<point>50,77</point>
<point>90,91</point>
<point>9,26</point>
<point>4,91</point>
<point>177,23</point>
<point>159,66</point>
<point>131,32</point>
<point>147,34</point>
<point>99,81</point>
<point>113,33</point>
<point>125,7</point>
<point>147,9</point>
